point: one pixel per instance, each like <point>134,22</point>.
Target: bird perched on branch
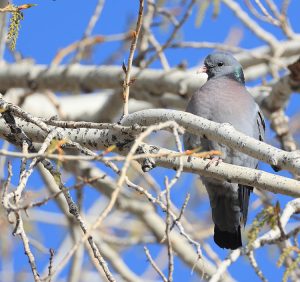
<point>225,99</point>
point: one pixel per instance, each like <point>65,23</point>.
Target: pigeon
<point>225,99</point>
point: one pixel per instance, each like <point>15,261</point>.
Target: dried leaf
<point>109,149</point>
<point>55,145</point>
<point>26,6</point>
<point>209,154</point>
<point>190,152</point>
<point>203,155</point>
<point>133,34</point>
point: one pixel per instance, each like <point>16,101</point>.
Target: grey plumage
<point>224,99</point>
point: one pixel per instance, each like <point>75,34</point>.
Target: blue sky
<point>53,25</point>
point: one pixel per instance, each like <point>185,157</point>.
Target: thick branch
<point>236,174</point>
<point>78,78</point>
<point>274,105</point>
<point>223,133</point>
<point>100,139</point>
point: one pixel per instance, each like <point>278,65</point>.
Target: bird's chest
<point>225,108</point>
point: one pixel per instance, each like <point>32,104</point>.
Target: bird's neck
<point>237,75</point>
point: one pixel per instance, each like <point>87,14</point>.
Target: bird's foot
<point>214,160</point>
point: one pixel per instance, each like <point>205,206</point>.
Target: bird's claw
<point>214,160</point>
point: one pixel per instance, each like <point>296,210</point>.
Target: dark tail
<point>244,196</point>
<point>228,240</point>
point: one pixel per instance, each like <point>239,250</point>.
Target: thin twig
<point>73,209</point>
<point>264,11</point>
<point>255,266</point>
<point>7,182</point>
<point>19,228</point>
<point>186,200</point>
<point>168,230</point>
<point>251,24</point>
<point>89,29</point>
<point>125,167</point>
<point>86,42</point>
<point>180,169</point>
<point>127,69</point>
<point>20,231</point>
<point>172,35</point>
<point>112,201</point>
<point>160,273</point>
<point>50,264</point>
<point>266,17</point>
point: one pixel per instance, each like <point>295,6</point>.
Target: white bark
<point>88,107</point>
<point>223,133</point>
<point>99,139</point>
<point>79,78</point>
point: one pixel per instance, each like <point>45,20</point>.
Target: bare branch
<point>199,126</point>
<point>89,29</point>
<point>251,24</point>
<point>257,270</point>
<point>127,70</point>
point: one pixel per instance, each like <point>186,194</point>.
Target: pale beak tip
<point>202,69</point>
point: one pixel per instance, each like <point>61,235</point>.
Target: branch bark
<point>100,139</point>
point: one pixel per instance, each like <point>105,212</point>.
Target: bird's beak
<point>202,69</point>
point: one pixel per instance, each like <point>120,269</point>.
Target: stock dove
<point>224,99</point>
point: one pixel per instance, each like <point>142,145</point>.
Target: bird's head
<point>223,64</point>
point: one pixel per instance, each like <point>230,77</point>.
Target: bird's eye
<point>220,64</point>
